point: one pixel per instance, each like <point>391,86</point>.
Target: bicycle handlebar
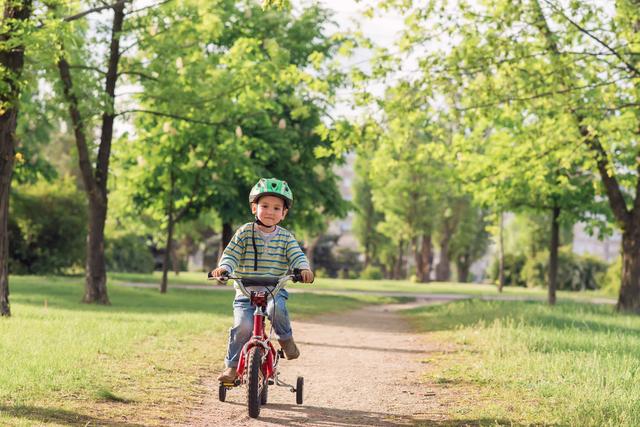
<point>243,283</point>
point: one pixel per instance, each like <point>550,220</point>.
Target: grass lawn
<point>323,284</point>
<point>136,362</point>
<point>526,363</point>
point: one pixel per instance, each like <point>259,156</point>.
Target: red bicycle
<point>258,364</point>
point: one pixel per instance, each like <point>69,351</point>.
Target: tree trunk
<point>553,255</point>
<point>423,257</point>
<point>227,234</point>
<point>629,299</point>
<point>443,270</point>
<point>95,181</point>
<point>501,254</point>
<point>12,61</point>
<point>462,268</point>
<point>427,257</point>
<point>417,255</point>
<point>167,251</point>
<point>170,222</point>
<point>399,261</point>
<point>95,289</point>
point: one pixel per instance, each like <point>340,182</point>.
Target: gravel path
<point>361,368</point>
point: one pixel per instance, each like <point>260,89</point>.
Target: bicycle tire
<point>255,381</point>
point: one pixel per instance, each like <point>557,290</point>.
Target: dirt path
<point>361,368</point>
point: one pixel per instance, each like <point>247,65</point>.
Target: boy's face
<point>270,210</point>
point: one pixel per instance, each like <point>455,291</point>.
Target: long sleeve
<point>295,256</point>
<point>233,252</point>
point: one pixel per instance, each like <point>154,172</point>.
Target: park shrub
<point>129,253</point>
<point>320,272</point>
<point>612,278</point>
<point>513,265</point>
<point>575,272</point>
<point>371,272</point>
<point>48,228</point>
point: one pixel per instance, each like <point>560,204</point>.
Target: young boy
<point>262,248</point>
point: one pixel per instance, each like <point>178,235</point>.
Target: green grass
<point>139,360</point>
<point>528,363</point>
<point>380,286</point>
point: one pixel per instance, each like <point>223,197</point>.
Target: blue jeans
<point>242,328</point>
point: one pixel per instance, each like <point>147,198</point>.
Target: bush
<point>371,273</point>
<point>129,253</point>
<point>320,272</point>
<point>48,228</point>
<point>575,272</point>
<point>612,278</point>
<point>513,265</point>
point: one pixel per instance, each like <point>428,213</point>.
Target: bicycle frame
<point>258,367</point>
<point>259,337</point>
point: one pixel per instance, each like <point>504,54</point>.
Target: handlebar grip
<point>225,274</point>
<point>297,275</point>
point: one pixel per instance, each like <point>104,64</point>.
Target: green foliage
<point>371,272</point>
<point>612,278</point>
<point>575,272</point>
<point>252,115</point>
<point>513,266</point>
<point>48,227</point>
<point>129,253</point>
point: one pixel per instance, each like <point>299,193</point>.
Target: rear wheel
<point>255,381</point>
<point>222,393</point>
<point>299,389</point>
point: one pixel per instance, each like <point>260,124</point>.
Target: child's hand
<point>307,276</point>
<point>219,273</point>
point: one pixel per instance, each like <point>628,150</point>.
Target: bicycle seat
<point>260,281</point>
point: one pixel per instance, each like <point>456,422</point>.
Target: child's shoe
<point>228,375</point>
<point>290,348</point>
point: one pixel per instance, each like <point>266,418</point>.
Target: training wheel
<point>299,388</point>
<point>222,392</point>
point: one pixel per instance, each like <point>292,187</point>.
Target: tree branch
<point>78,127</point>
<point>94,10</point>
<point>108,117</point>
<point>541,95</point>
<point>629,66</point>
<point>170,115</point>
<point>611,185</point>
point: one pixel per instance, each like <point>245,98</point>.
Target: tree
<point>262,106</point>
<point>81,73</point>
<point>13,37</point>
<point>547,90</point>
<point>470,239</point>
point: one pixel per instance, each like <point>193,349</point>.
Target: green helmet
<point>272,187</point>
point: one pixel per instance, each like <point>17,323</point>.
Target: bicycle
<point>258,364</point>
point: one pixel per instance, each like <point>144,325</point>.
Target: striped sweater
<point>281,253</point>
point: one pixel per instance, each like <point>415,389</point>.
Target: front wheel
<point>265,393</point>
<point>255,381</point>
<point>299,389</point>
